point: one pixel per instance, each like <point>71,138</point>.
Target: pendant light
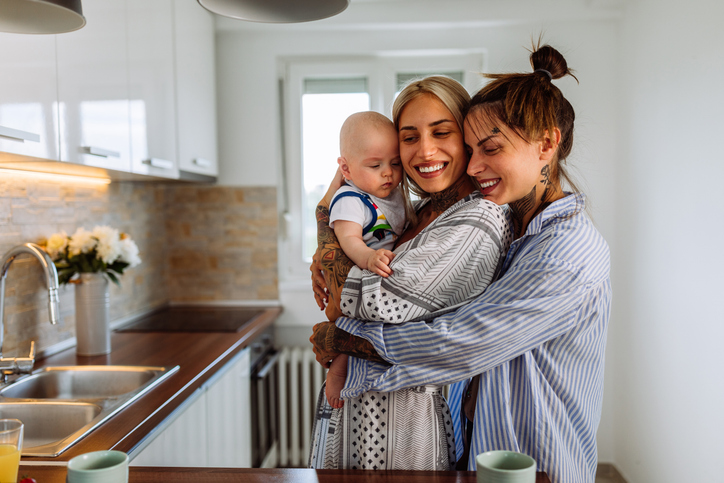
<point>40,16</point>
<point>276,11</point>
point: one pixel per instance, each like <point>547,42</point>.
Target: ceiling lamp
<point>275,11</point>
<point>40,16</point>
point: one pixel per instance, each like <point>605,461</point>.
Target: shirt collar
<point>569,205</point>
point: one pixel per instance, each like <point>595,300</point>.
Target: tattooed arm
<point>334,263</point>
<point>328,340</point>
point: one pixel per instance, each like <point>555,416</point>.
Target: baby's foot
<point>334,387</point>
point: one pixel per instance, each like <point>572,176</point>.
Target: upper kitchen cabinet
<point>28,96</point>
<point>152,88</point>
<point>93,89</point>
<point>195,88</point>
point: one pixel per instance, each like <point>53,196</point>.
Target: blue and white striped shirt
<point>537,337</point>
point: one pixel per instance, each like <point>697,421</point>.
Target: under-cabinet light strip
<point>55,176</point>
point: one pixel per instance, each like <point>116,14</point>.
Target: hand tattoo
<point>346,343</point>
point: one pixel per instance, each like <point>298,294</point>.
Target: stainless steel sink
<point>47,423</point>
<point>81,382</point>
<point>60,405</point>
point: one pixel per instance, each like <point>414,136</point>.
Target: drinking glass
<point>11,442</point>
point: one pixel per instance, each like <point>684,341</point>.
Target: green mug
<point>505,467</point>
<point>99,467</point>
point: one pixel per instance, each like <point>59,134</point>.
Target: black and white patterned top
<point>450,262</point>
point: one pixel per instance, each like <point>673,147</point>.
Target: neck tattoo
<point>547,190</point>
<point>530,206</point>
<point>519,209</point>
<point>439,202</point>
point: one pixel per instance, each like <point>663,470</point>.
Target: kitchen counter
<point>256,475</point>
<point>198,354</point>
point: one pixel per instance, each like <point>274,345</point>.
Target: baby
<point>367,214</point>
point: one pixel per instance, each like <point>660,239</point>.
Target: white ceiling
<point>433,14</point>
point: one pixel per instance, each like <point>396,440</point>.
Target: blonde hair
<point>449,91</point>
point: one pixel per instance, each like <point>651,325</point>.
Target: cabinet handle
<point>159,163</point>
<point>104,153</point>
<point>262,373</point>
<point>19,135</point>
<point>204,163</point>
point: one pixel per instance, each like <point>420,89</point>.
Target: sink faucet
<point>24,365</point>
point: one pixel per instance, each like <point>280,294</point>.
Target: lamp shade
<point>40,16</point>
<point>276,11</point>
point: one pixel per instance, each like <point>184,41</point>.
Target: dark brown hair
<point>530,105</point>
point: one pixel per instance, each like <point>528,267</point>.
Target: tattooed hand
<point>320,334</point>
<point>319,284</point>
<point>329,342</point>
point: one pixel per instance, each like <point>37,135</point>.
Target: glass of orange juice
<point>11,442</point>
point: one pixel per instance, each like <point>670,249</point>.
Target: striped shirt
<point>537,337</point>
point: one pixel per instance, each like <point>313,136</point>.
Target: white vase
<point>92,318</point>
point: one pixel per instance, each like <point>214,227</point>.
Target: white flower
<point>129,252</point>
<point>82,241</point>
<point>56,244</point>
<point>109,246</point>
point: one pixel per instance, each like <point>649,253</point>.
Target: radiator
<point>300,380</point>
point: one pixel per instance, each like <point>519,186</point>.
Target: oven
<point>264,402</point>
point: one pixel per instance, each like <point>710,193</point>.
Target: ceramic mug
<point>99,467</point>
<point>505,467</point>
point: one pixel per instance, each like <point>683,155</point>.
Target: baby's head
<point>370,153</point>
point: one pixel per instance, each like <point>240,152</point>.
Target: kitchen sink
<point>61,405</point>
<point>81,382</point>
<point>48,423</point>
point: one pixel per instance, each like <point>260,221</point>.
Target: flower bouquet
<point>104,250</point>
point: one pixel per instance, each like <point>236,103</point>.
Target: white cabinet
<point>94,101</point>
<point>28,96</point>
<point>214,429</point>
<point>195,88</point>
<point>228,420</point>
<point>133,91</point>
<point>152,88</point>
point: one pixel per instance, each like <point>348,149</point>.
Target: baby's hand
<point>379,261</point>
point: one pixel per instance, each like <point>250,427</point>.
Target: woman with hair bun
<point>526,356</point>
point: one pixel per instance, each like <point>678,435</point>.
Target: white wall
<point>669,407</point>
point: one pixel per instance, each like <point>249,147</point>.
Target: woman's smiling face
<point>507,167</point>
<point>431,144</point>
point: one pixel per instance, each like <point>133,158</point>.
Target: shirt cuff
<point>362,376</point>
<point>351,326</point>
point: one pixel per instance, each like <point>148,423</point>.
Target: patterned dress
<point>448,264</point>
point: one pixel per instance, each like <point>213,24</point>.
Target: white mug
<point>99,467</point>
<point>505,467</point>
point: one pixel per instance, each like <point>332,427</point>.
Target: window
<point>317,98</point>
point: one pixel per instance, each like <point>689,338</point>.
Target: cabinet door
<point>93,88</point>
<point>28,96</point>
<point>196,88</point>
<point>183,442</point>
<point>229,416</point>
<point>152,88</point>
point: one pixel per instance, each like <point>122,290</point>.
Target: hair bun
<point>548,60</point>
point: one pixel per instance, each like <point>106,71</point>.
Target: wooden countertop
<point>47,474</point>
<point>198,355</point>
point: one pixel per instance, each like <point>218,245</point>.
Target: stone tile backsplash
<point>198,243</point>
